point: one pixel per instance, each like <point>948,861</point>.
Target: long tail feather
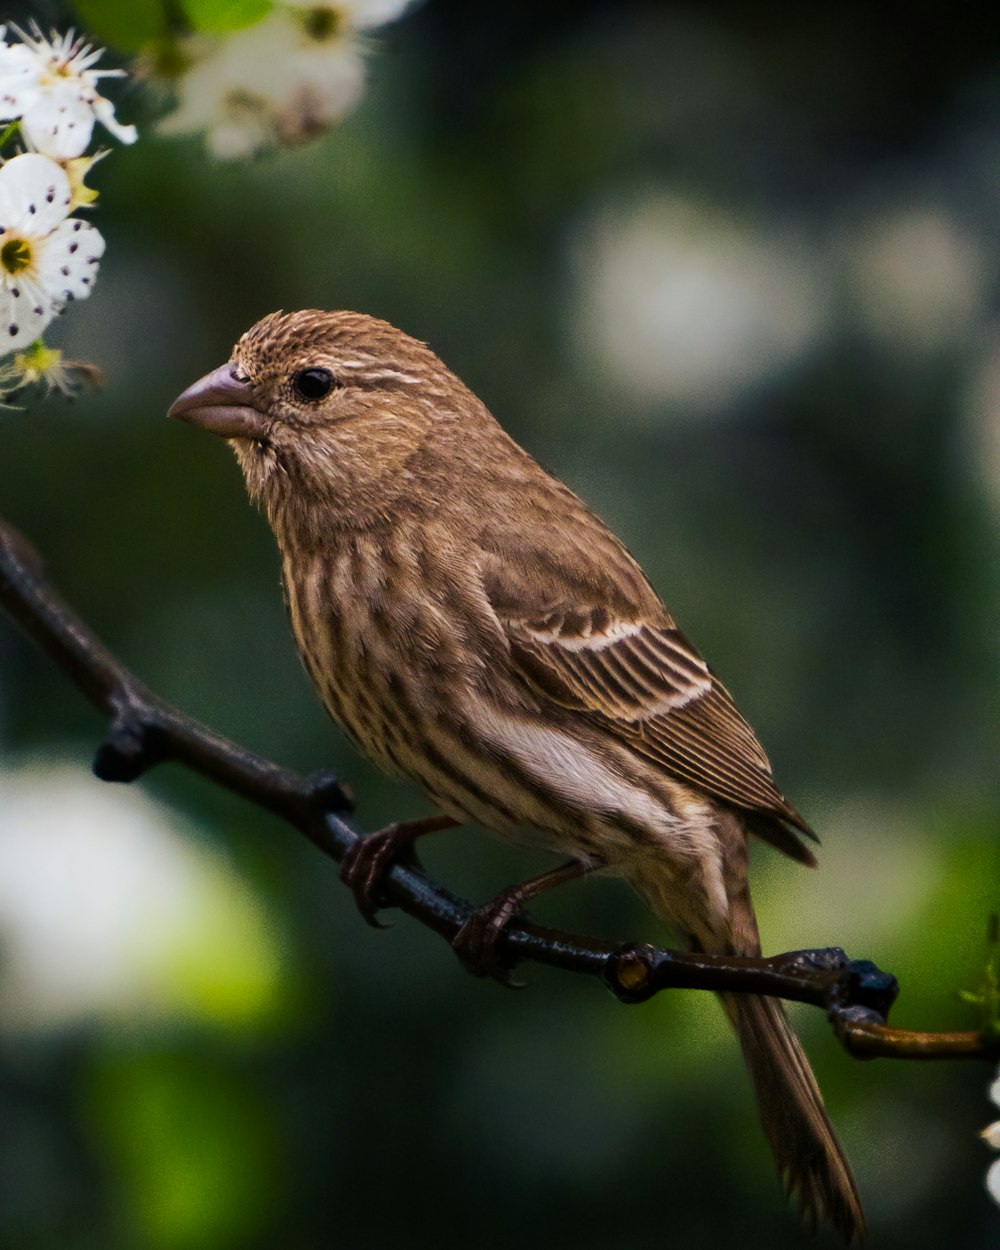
<point>812,1164</point>
<point>795,1123</point>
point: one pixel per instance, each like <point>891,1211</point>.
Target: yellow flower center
<point>52,74</point>
<point>15,255</point>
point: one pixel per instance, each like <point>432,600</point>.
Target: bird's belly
<point>401,713</point>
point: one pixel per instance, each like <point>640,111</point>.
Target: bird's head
<point>325,408</point>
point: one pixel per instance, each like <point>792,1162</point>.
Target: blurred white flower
<point>49,83</point>
<point>46,259</point>
<point>352,14</point>
<point>109,909</point>
<point>993,1181</point>
<point>918,278</point>
<point>991,1136</point>
<point>282,80</point>
<point>681,304</point>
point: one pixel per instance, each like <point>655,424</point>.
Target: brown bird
<point>475,628</point>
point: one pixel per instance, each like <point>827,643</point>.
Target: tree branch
<point>146,731</point>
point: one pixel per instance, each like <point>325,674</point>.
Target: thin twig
<point>146,731</point>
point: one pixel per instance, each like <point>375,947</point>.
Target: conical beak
<point>220,403</point>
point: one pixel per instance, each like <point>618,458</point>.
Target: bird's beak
<point>222,404</point>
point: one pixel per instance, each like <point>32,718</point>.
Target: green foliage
<point>123,24</point>
<point>193,1144</point>
<point>223,15</point>
<point>130,25</point>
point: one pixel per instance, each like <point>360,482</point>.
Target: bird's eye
<point>313,383</point>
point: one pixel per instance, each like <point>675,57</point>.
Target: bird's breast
<point>378,647</point>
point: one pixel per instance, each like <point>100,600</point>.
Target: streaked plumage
<point>474,627</point>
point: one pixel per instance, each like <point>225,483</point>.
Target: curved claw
<point>477,942</point>
<point>363,869</point>
<point>368,861</point>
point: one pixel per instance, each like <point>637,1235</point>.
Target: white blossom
<point>282,80</point>
<point>51,86</point>
<point>46,258</point>
<point>991,1135</point>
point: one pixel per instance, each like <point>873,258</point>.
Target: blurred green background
<point>731,271</point>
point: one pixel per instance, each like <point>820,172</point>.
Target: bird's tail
<point>809,1157</point>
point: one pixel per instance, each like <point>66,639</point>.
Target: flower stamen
<point>15,255</point>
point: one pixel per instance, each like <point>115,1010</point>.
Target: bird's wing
<point>641,680</point>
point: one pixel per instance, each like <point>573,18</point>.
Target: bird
<point>474,627</point>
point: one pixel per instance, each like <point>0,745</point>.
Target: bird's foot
<point>368,862</point>
<point>477,943</point>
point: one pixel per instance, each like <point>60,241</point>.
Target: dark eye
<point>313,383</point>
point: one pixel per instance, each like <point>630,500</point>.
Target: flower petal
<point>67,265</point>
<point>20,70</point>
<point>24,313</point>
<point>329,83</point>
<point>995,1090</point>
<point>335,77</point>
<point>34,194</point>
<point>104,111</point>
<point>61,121</point>
<point>237,139</point>
<point>991,1135</point>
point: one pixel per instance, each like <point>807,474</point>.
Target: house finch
<point>474,627</point>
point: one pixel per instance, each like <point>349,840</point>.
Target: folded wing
<point>642,681</point>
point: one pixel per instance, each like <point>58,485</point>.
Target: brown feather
<point>793,1117</point>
